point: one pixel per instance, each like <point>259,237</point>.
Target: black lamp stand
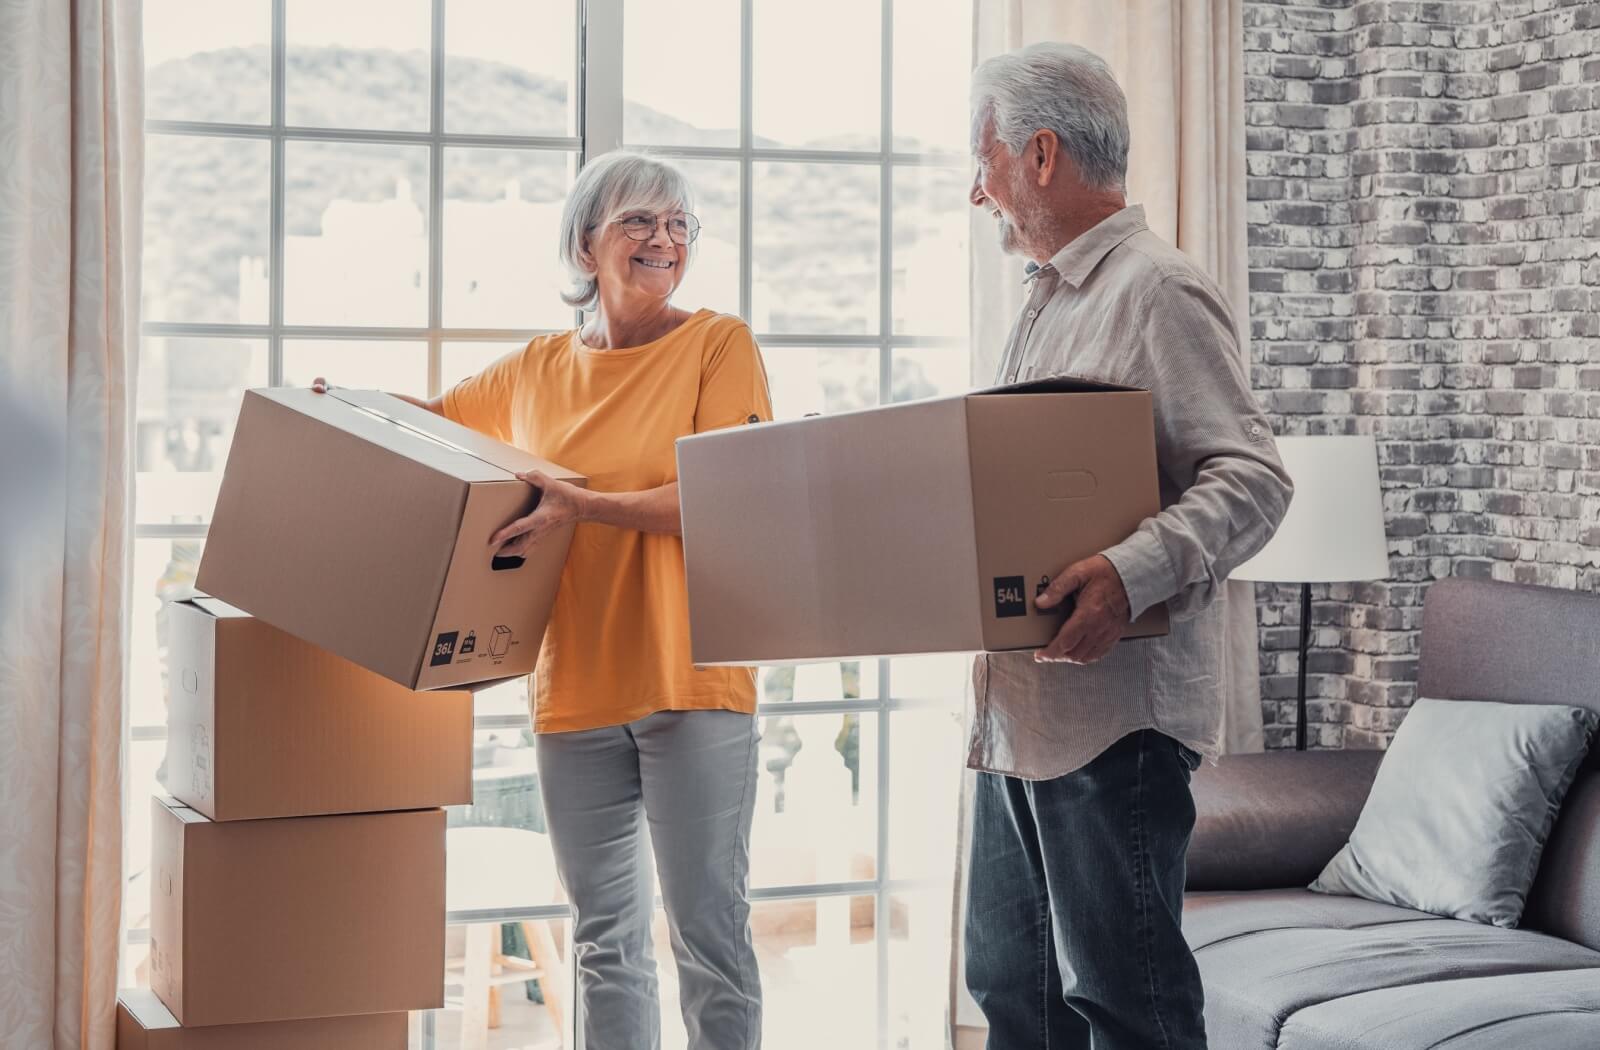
<point>1305,644</point>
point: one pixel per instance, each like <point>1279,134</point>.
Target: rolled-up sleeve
<point>1214,450</point>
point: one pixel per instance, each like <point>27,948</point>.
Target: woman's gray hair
<point>608,186</point>
<point>1062,88</point>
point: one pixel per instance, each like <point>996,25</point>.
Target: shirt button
<point>1032,314</point>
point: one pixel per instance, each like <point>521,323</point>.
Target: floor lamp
<point>1333,532</point>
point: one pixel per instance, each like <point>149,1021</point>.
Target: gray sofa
<point>1287,969</point>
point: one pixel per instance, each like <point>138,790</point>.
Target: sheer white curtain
<point>1181,64</point>
<point>70,172</point>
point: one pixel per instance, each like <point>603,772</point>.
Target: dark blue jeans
<point>1075,902</point>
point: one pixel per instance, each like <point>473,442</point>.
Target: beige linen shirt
<point>1119,305</point>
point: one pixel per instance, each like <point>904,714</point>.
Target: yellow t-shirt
<point>617,648</point>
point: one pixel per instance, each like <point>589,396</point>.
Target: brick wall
<point>1424,209</point>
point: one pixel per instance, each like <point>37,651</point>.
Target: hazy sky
<point>816,61</point>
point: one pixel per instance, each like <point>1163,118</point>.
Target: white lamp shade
<point>1333,531</point>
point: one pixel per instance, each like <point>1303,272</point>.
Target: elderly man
<point>1083,813</point>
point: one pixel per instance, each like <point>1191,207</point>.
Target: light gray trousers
<point>692,776</point>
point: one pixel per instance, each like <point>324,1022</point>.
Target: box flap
<point>215,608</point>
<point>180,811</point>
<point>427,427</point>
<point>147,1008</point>
<point>1054,385</point>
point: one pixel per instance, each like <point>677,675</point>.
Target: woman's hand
<point>560,503</point>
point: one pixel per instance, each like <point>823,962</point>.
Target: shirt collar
<point>1081,255</point>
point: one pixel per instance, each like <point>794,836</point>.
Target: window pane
<point>507,698</point>
<point>846,680</point>
<point>365,364</point>
<point>919,968</point>
<point>145,758</point>
<point>921,372</point>
<point>357,234</point>
<point>932,62</point>
<point>163,571</point>
<point>816,803</point>
<point>505,795</point>
<point>927,750</point>
<point>189,394</point>
<point>810,382</point>
<point>528,1011</point>
<point>508,67</point>
<point>502,221</point>
<point>206,229</point>
<point>712,280</point>
<point>817,74</point>
<point>818,964</point>
<point>464,359</point>
<point>357,64</point>
<point>931,288</point>
<point>696,101</point>
<point>202,67</point>
<point>816,248</point>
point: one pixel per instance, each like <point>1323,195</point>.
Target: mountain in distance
<point>207,198</point>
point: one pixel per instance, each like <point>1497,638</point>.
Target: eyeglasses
<point>683,229</point>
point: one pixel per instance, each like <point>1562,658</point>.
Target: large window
<point>369,190</point>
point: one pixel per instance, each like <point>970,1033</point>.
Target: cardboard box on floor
<point>261,724</point>
<point>361,523</point>
<point>916,528</point>
<point>276,920</point>
<point>143,1023</point>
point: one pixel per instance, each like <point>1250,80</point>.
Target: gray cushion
<point>1461,808</point>
<point>1261,966</point>
<point>1211,918</point>
<point>1545,1011</point>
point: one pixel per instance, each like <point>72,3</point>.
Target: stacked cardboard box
<point>298,892</point>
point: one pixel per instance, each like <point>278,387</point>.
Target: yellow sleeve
<point>733,382</point>
<point>483,401</point>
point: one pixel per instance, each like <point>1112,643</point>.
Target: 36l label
<point>444,648</point>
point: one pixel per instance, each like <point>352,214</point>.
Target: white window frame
<point>599,108</point>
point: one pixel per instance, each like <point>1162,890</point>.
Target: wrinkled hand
<point>1099,613</point>
<point>560,503</point>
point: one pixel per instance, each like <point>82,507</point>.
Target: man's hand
<point>560,503</point>
<point>1099,613</point>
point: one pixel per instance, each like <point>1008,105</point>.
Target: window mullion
<point>436,199</point>
<point>277,233</point>
<point>746,161</point>
<point>601,77</point>
<point>881,925</point>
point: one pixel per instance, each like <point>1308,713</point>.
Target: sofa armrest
<point>1275,819</point>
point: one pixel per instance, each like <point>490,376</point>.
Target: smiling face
<point>999,186</point>
<point>642,271</point>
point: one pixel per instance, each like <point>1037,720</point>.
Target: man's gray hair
<point>609,186</point>
<point>1062,88</point>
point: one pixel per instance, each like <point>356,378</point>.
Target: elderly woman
<point>628,730</point>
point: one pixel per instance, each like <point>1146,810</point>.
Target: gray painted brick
<point>1424,204</point>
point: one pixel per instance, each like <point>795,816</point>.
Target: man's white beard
<point>1008,237</point>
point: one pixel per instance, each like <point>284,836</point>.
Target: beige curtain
<point>1181,64</point>
<point>70,172</point>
